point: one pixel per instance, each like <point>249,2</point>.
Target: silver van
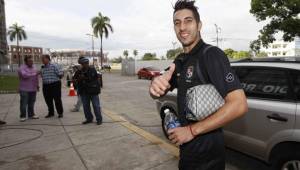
<point>270,131</point>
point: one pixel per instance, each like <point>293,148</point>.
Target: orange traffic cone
<point>72,90</point>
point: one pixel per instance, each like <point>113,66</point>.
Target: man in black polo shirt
<point>201,143</point>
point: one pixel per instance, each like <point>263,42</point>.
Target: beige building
<point>35,52</point>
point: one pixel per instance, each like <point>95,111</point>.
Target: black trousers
<point>53,92</point>
<point>205,152</point>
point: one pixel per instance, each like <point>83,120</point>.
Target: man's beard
<point>187,45</point>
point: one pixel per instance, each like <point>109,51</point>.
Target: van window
<point>265,83</point>
<point>296,83</point>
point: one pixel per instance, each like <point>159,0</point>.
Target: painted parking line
<point>134,81</point>
<point>149,136</point>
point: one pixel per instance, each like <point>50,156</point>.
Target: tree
<point>229,52</point>
<point>172,53</point>
<point>125,54</point>
<point>241,54</point>
<point>117,60</point>
<point>18,33</point>
<point>135,53</point>
<point>283,16</point>
<point>149,56</point>
<point>262,54</point>
<point>101,27</point>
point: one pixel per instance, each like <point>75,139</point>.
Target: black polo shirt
<point>215,68</point>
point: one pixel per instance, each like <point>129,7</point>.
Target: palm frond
<point>110,27</point>
<point>105,32</point>
<point>12,36</point>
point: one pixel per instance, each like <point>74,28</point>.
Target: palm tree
<point>17,32</point>
<point>135,53</point>
<point>101,26</point>
<point>125,53</point>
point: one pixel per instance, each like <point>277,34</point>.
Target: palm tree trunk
<point>101,52</point>
<point>18,50</point>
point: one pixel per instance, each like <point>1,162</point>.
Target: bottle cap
<point>166,111</point>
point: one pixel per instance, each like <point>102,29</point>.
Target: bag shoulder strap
<point>199,72</point>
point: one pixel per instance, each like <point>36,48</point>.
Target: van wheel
<point>290,161</point>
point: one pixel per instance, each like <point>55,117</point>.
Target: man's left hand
<point>180,135</point>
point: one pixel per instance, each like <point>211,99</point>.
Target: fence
<point>131,67</point>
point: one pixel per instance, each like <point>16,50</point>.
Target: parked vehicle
<point>148,72</point>
<point>106,67</point>
<point>270,131</point>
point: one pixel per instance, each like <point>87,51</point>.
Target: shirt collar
<point>197,47</point>
<point>47,65</point>
<point>183,57</point>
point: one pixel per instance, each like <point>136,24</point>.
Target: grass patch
<point>9,83</point>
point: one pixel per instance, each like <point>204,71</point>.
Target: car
<point>148,72</point>
<point>106,67</point>
<point>270,130</point>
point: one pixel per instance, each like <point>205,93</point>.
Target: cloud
<point>145,25</point>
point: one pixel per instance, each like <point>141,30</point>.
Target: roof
<point>289,65</point>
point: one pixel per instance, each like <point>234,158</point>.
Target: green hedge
<point>8,83</point>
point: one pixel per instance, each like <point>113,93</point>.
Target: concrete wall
<point>128,68</point>
<point>132,67</point>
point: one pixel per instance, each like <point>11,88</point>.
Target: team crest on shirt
<point>229,77</point>
<point>189,73</point>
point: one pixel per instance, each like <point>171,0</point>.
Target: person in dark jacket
<point>89,90</point>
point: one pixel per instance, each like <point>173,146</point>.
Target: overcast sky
<point>145,25</point>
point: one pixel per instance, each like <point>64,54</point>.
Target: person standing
<point>75,84</point>
<point>89,90</point>
<point>51,76</point>
<point>28,87</point>
<point>201,142</point>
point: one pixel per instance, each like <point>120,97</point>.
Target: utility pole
<point>218,30</point>
<point>91,35</point>
<point>174,44</point>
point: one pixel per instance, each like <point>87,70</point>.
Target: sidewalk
<point>66,144</point>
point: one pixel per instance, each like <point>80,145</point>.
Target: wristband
<point>192,131</point>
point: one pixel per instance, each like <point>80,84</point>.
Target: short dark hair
<point>47,56</point>
<point>26,58</point>
<point>187,4</point>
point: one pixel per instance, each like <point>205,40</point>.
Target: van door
<point>271,114</point>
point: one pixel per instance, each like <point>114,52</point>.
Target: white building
<point>70,56</point>
<point>280,48</point>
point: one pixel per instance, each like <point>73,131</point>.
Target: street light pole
<point>174,44</point>
<point>218,30</point>
<point>91,35</point>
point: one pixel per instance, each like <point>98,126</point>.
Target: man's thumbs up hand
<point>161,84</point>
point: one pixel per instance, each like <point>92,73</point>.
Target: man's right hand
<point>160,84</point>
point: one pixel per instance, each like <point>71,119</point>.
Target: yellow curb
<point>150,137</point>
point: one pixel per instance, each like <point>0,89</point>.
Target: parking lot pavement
<point>54,143</point>
<point>128,96</point>
<point>130,138</point>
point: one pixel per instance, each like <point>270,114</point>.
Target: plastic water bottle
<point>171,121</point>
